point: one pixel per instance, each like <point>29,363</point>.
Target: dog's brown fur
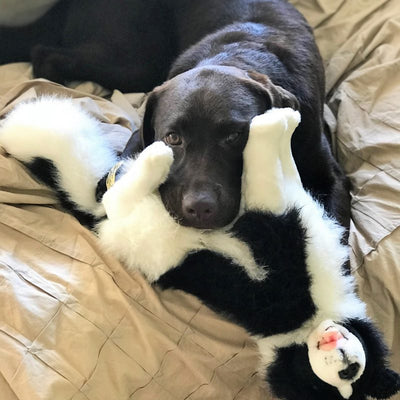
<point>234,59</point>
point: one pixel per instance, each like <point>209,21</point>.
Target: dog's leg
<point>92,62</point>
<point>141,177</point>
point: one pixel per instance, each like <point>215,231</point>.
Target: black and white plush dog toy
<point>279,270</point>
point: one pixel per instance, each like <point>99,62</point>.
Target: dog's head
<point>340,361</point>
<point>204,116</point>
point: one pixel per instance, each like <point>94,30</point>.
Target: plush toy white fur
<point>272,184</point>
<point>56,129</point>
<point>141,233</point>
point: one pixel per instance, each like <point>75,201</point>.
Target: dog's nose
<point>199,209</point>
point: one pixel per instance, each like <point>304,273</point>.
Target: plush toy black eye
<point>233,138</point>
<point>350,372</point>
<point>173,139</point>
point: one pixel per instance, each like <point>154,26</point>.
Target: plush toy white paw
<point>141,177</point>
<point>268,160</point>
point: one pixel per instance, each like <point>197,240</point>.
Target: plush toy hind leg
<point>141,177</point>
<point>62,145</point>
<point>268,161</point>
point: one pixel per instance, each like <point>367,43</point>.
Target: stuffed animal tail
<point>63,146</point>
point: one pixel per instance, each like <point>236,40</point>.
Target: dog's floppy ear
<point>277,96</point>
<point>133,146</point>
<point>147,133</point>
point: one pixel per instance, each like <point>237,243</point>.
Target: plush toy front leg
<point>268,160</point>
<point>141,177</point>
<point>139,230</point>
<point>289,169</point>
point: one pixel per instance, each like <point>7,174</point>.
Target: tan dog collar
<point>112,174</point>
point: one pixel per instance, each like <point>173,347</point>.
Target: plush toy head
<point>336,356</point>
<point>354,370</point>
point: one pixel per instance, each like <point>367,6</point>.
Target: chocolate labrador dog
<point>222,62</point>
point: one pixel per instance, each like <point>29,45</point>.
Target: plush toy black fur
<point>278,271</point>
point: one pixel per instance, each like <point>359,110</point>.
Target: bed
<point>74,325</point>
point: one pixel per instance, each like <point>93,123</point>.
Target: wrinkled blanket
<point>74,325</point>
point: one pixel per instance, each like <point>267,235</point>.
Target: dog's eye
<point>173,139</point>
<point>233,138</point>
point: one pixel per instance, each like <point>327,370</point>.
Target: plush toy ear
<point>384,384</point>
<point>277,96</point>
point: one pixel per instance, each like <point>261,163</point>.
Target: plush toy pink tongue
<point>329,340</point>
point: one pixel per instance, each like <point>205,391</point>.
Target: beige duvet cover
<point>74,325</point>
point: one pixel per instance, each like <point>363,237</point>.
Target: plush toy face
<point>336,356</point>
